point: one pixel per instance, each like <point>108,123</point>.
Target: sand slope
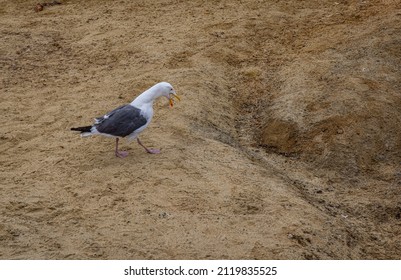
<point>286,144</point>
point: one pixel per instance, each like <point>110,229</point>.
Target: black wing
<point>121,121</point>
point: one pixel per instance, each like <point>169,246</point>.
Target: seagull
<point>131,119</point>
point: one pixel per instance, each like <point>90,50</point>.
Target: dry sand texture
<point>286,144</point>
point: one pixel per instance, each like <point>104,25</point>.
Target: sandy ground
<point>286,144</point>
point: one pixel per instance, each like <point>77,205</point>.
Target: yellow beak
<point>171,100</point>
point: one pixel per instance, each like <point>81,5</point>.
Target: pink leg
<point>120,154</point>
<point>150,151</point>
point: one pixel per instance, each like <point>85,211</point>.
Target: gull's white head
<point>166,89</point>
<point>161,89</point>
